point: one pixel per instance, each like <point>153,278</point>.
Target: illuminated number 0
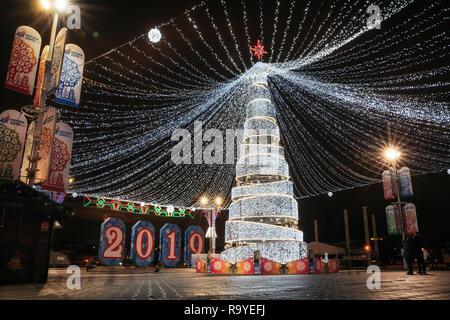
<point>139,243</point>
<point>172,244</point>
<point>199,247</point>
<point>114,237</point>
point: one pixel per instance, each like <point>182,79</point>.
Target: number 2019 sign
<point>112,242</point>
<point>142,243</point>
<point>193,242</point>
<point>142,253</point>
<point>170,243</point>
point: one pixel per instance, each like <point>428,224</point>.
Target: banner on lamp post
<point>57,58</point>
<point>391,220</point>
<point>45,146</point>
<point>388,185</point>
<point>40,78</point>
<point>13,128</point>
<point>27,152</point>
<point>411,225</point>
<point>69,87</point>
<point>24,60</point>
<point>58,177</point>
<point>405,182</point>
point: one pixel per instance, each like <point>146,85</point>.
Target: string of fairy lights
<point>337,86</point>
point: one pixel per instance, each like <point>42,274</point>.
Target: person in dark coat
<point>418,246</point>
<point>157,259</point>
<point>408,246</point>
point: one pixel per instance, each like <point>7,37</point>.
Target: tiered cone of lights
<point>264,213</point>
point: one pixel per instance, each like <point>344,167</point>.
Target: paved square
<point>143,284</point>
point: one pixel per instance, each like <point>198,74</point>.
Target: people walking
<point>426,257</point>
<point>418,248</point>
<point>157,259</point>
<point>408,246</point>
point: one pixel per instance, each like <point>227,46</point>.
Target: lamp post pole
<point>42,108</point>
<point>211,215</point>
<point>399,202</point>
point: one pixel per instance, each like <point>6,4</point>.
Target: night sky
<point>107,24</point>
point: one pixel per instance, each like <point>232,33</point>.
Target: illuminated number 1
<point>199,248</point>
<point>172,243</point>
<point>139,243</point>
<point>114,237</point>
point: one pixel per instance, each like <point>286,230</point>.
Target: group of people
<point>413,246</point>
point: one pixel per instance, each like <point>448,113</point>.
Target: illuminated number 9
<point>139,243</point>
<point>199,248</point>
<point>114,237</point>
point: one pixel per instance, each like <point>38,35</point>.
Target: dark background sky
<point>107,24</point>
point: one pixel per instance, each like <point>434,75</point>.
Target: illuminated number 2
<point>199,248</point>
<point>114,237</point>
<point>172,244</point>
<point>139,243</point>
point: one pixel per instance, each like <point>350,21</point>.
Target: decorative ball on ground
<point>154,35</point>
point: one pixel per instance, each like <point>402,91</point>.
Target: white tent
<point>319,248</point>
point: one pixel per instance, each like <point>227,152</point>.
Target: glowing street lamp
<point>46,4</point>
<point>392,154</point>
<point>211,215</point>
<point>60,4</point>
<point>204,200</point>
<point>218,201</point>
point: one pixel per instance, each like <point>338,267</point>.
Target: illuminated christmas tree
<point>264,213</point>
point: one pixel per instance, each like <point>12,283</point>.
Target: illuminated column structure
<point>264,213</point>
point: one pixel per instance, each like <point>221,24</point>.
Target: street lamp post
<point>392,155</point>
<point>211,215</point>
<point>58,5</point>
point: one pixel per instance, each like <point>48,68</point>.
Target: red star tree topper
<point>258,50</point>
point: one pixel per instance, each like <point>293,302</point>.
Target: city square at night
<point>241,153</point>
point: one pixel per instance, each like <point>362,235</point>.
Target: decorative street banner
<point>388,184</point>
<point>220,266</point>
<point>24,60</point>
<point>58,179</point>
<point>200,266</point>
<point>270,267</point>
<point>245,267</point>
<point>405,182</point>
<point>410,219</point>
<point>319,266</point>
<point>194,242</point>
<point>112,242</point>
<point>333,265</point>
<point>300,266</point>
<point>40,78</point>
<point>142,243</point>
<point>45,146</point>
<point>170,243</point>
<point>27,152</point>
<point>69,88</point>
<point>391,220</point>
<point>13,128</point>
<point>57,58</point>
